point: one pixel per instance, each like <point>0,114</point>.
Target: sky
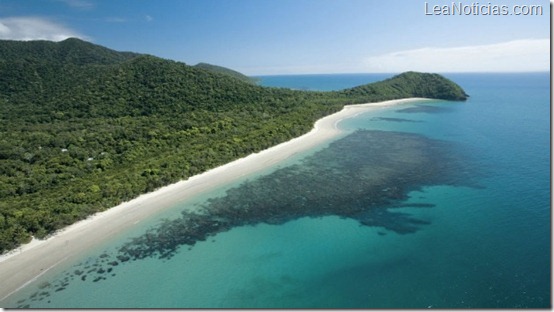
<point>271,37</point>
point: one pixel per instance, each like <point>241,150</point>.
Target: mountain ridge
<point>70,50</point>
<point>84,128</point>
<point>226,71</point>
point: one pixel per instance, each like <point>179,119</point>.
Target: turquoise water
<point>433,204</point>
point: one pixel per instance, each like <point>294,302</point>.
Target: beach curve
<point>25,264</point>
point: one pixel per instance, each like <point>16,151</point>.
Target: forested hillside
<point>83,127</point>
<point>226,71</point>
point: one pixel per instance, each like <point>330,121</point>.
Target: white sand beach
<point>25,264</point>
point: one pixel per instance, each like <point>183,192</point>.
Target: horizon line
<point>397,73</point>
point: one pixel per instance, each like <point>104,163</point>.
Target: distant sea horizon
<point>433,204</point>
<point>335,82</point>
<point>319,82</point>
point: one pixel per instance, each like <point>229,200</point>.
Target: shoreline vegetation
<point>25,264</point>
<point>84,128</point>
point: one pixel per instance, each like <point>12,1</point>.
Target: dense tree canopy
<point>226,71</point>
<point>83,127</point>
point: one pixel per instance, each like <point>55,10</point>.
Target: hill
<point>411,84</point>
<point>72,50</point>
<point>83,127</point>
<point>226,71</point>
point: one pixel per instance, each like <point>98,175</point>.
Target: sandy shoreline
<point>25,264</point>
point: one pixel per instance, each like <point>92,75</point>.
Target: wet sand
<point>25,264</point>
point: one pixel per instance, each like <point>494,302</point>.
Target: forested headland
<point>84,128</point>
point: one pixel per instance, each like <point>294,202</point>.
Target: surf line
<point>33,279</point>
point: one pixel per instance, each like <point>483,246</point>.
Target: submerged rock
<point>363,176</point>
<point>360,176</point>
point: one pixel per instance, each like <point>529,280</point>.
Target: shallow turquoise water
<point>481,244</point>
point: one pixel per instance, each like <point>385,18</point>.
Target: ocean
<point>432,204</point>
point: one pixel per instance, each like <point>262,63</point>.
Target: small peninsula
<point>85,128</point>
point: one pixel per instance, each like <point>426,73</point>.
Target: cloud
<point>148,18</point>
<point>79,4</point>
<point>34,28</point>
<point>512,56</point>
<point>116,20</point>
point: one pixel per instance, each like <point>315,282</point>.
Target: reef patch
<point>425,109</point>
<point>360,176</point>
<point>363,176</point>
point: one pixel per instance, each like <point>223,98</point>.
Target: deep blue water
<point>327,82</point>
<point>473,230</point>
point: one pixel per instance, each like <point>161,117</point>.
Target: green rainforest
<point>84,128</point>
